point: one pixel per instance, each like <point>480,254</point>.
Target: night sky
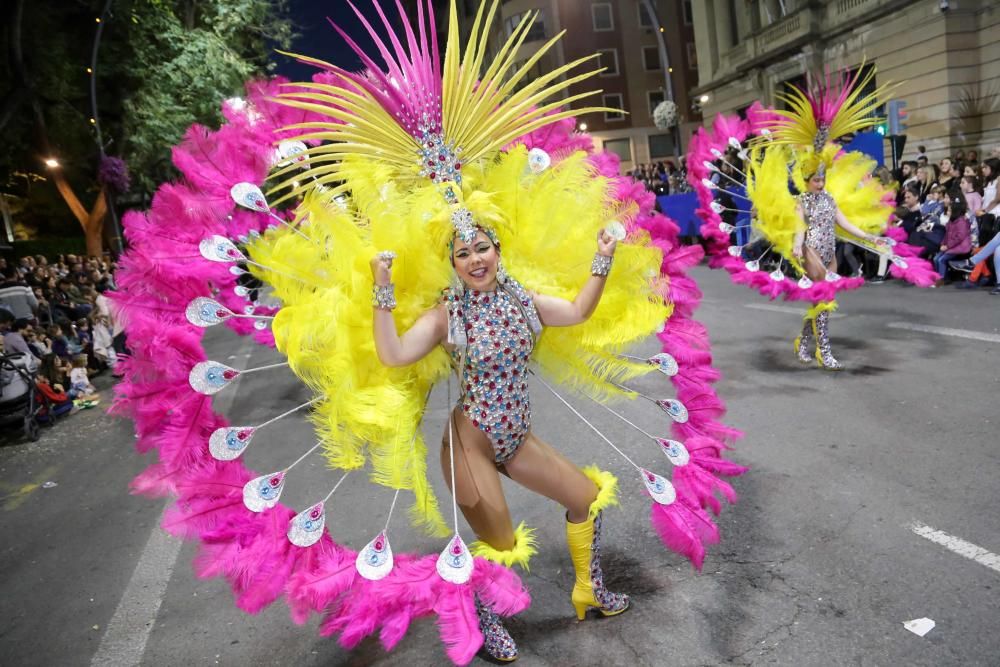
<point>319,40</point>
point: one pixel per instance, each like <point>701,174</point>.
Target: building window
<point>609,59</point>
<point>692,53</point>
<point>661,145</point>
<point>535,32</point>
<point>645,20</point>
<point>688,12</point>
<point>655,97</point>
<point>602,16</point>
<point>620,147</point>
<point>651,58</point>
<point>613,101</point>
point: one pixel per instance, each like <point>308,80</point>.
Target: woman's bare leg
<point>477,483</point>
<point>540,468</point>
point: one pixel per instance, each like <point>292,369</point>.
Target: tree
<point>163,65</point>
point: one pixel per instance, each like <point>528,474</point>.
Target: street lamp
<point>704,99</point>
<point>583,127</point>
<point>52,163</point>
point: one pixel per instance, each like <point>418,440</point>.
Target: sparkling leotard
<point>820,211</point>
<point>493,335</point>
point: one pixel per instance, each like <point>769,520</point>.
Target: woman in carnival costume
<point>837,199</point>
<point>415,174</point>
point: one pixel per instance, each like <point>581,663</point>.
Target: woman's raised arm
<point>427,332</point>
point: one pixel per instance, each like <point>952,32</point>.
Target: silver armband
<point>601,265</point>
<point>384,296</point>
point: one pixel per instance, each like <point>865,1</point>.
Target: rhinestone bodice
<point>820,211</point>
<point>493,364</point>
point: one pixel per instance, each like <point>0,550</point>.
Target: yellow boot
<point>584,540</point>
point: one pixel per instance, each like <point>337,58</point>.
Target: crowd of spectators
<point>951,210</point>
<point>662,178</point>
<point>58,326</point>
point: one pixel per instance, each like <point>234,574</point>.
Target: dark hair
<point>922,149</point>
<point>912,163</point>
<point>994,165</point>
<point>973,181</point>
<point>913,190</point>
<point>957,209</point>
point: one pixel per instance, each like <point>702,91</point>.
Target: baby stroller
<point>19,401</point>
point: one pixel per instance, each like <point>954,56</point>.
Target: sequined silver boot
<point>497,641</point>
<point>824,354</point>
<point>804,343</point>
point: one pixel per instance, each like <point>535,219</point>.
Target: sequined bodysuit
<point>820,211</point>
<point>493,335</point>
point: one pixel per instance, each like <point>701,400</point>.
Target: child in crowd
<point>933,204</point>
<point>957,242</point>
<point>79,379</point>
<point>60,344</point>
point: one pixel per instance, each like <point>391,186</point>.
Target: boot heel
<point>581,610</point>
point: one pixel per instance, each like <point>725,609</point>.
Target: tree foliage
<point>163,65</point>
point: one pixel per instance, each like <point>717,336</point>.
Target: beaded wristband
<point>384,296</point>
<point>601,265</point>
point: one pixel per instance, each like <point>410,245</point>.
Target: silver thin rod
<point>337,485</point>
<point>391,508</point>
<point>263,368</point>
<point>451,458</point>
<point>623,418</point>
<point>290,226</point>
<point>303,457</point>
<point>293,410</point>
<point>585,421</point>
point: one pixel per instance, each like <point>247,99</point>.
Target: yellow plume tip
<point>524,548</point>
<point>607,489</point>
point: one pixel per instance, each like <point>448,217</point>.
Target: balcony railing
<point>790,29</point>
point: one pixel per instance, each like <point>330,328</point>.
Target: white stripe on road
<point>125,638</point>
<point>958,545</point>
<point>784,309</point>
<point>945,331</point>
<point>124,642</point>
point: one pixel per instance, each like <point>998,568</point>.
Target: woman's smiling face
<point>476,262</point>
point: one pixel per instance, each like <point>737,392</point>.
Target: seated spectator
<point>59,401</point>
<point>926,180</point>
<point>68,301</point>
<point>60,343</point>
<point>991,249</point>
<point>14,341</point>
<point>104,349</point>
<point>925,232</point>
<point>932,204</point>
<point>957,242</point>
<point>18,298</point>
<point>907,176</point>
<point>79,378</point>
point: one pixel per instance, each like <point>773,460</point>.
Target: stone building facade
<point>944,55</point>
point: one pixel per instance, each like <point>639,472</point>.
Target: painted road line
<point>125,638</point>
<point>958,545</point>
<point>945,331</point>
<point>784,309</point>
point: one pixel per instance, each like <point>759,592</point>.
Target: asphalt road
<point>819,563</point>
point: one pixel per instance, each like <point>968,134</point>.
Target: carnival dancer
<point>489,324</point>
<point>814,246</point>
<point>803,193</point>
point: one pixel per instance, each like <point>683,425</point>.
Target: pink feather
<point>684,529</point>
<point>458,623</point>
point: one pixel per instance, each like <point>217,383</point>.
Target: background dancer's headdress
<point>830,108</point>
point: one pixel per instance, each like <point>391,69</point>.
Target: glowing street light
<point>704,98</point>
<point>583,127</point>
<point>52,163</point>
